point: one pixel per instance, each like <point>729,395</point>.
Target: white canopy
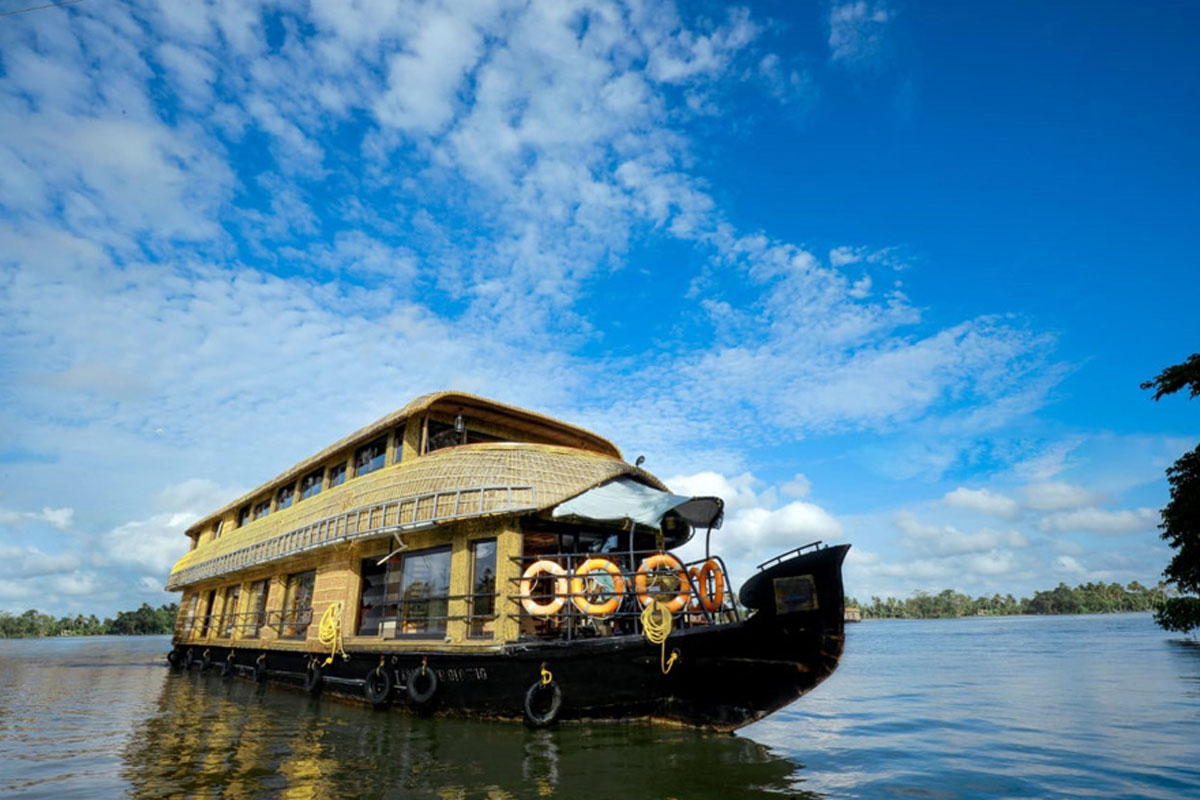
<point>625,498</point>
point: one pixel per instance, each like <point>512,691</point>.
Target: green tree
<point>1181,515</point>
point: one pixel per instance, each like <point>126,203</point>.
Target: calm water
<point>1098,707</point>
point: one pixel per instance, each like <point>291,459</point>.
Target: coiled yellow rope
<point>656,625</point>
<point>330,632</point>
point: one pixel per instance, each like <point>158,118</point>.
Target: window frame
<point>436,625</point>
<point>475,596</point>
<point>378,459</point>
<point>297,630</point>
<point>304,493</point>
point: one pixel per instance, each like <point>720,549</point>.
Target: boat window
<point>369,457</point>
<point>419,593</point>
<point>208,610</point>
<point>217,528</point>
<point>297,605</point>
<point>195,541</point>
<point>258,611</point>
<point>370,608</point>
<point>284,498</point>
<point>398,435</point>
<point>229,615</point>
<point>243,516</point>
<point>441,434</point>
<point>311,484</point>
<point>262,509</point>
<point>444,434</point>
<point>337,475</point>
<point>483,587</point>
<point>190,623</point>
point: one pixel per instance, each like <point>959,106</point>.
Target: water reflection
<point>234,739</point>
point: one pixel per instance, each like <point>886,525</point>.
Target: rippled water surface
<point>1098,707</point>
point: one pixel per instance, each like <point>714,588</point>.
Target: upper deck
<point>443,457</point>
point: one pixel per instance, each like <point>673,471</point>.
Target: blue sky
<point>883,273</point>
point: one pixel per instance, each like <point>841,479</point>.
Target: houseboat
<point>462,556</point>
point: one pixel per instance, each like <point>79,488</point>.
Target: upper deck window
<point>311,484</point>
<point>284,498</point>
<point>446,434</point>
<point>337,475</point>
<point>369,457</point>
<point>217,528</point>
<point>262,509</point>
<point>243,516</point>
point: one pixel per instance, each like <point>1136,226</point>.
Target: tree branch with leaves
<point>1181,515</point>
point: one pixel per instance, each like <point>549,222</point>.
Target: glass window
<point>337,475</point>
<point>190,624</point>
<point>483,588</point>
<point>374,587</point>
<point>398,438</point>
<point>369,457</point>
<point>243,516</point>
<point>262,509</point>
<point>311,483</point>
<point>229,614</point>
<point>419,592</point>
<point>297,604</point>
<point>208,610</point>
<point>217,528</point>
<point>258,608</point>
<point>284,498</point>
<point>441,434</point>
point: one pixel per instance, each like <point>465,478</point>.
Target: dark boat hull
<point>725,676</point>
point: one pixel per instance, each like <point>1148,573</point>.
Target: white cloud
<point>948,540</point>
<point>1057,496</point>
<point>60,518</point>
<point>1101,522</point>
<point>798,486</point>
<point>857,32</point>
<point>984,501</point>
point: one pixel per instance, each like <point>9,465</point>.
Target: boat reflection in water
<point>234,739</point>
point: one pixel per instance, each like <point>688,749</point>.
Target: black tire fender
<point>540,718</point>
<point>260,669</point>
<point>422,677</point>
<point>174,658</point>
<point>227,665</point>
<point>312,677</point>
<point>377,685</point>
<point>205,660</point>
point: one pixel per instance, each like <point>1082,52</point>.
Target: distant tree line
<point>145,620</point>
<point>1087,598</point>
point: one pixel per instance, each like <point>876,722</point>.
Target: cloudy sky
<point>877,272</point>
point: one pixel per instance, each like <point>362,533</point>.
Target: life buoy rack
<point>579,597</point>
<point>711,600</point>
<point>671,563</point>
<point>536,570</point>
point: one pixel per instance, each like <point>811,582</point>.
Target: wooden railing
<point>395,516</point>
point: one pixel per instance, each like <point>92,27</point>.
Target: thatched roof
<point>538,426</point>
<point>551,473</point>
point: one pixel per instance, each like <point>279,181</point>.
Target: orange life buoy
<point>680,601</point>
<point>577,587</point>
<point>535,571</point>
<point>711,600</point>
